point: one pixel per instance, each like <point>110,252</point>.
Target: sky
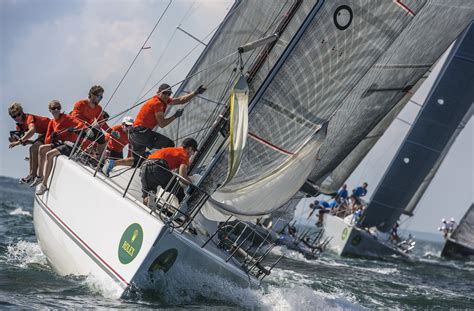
<point>54,49</point>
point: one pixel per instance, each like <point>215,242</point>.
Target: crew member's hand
<point>14,144</point>
<point>115,134</point>
<point>201,89</point>
<point>178,113</point>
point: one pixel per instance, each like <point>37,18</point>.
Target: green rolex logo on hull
<point>130,243</point>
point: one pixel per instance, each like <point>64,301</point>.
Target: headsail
<point>448,107</point>
<point>464,233</point>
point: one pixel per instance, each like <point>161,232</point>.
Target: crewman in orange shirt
<point>152,114</point>
<point>118,139</point>
<point>26,126</point>
<point>89,112</point>
<point>62,128</point>
<point>156,170</point>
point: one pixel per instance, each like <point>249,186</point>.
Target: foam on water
<point>294,293</point>
<point>20,211</point>
<point>103,286</point>
<point>23,254</point>
<point>379,270</point>
<point>288,253</point>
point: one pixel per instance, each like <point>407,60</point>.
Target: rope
<point>136,56</point>
<point>186,15</point>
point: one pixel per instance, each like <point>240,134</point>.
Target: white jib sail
<point>272,189</point>
<point>238,130</point>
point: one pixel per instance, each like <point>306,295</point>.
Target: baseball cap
<point>127,120</point>
<point>164,87</point>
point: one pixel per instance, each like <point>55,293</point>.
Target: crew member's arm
<point>163,122</point>
<point>28,134</point>
<point>186,98</point>
<point>183,172</point>
<point>48,139</point>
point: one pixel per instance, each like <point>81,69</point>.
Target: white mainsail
<point>343,63</point>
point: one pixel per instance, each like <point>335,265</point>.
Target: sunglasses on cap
<point>14,116</point>
<point>55,108</point>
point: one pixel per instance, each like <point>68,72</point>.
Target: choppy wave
<point>20,211</point>
<point>23,254</point>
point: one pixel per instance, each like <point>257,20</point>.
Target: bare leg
<point>34,158</point>
<point>124,162</point>
<point>49,164</point>
<point>42,158</point>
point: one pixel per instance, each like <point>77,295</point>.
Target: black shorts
<point>64,150</point>
<point>155,173</point>
<point>142,138</point>
<point>117,155</point>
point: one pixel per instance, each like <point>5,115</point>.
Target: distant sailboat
<point>447,109</point>
<point>460,243</point>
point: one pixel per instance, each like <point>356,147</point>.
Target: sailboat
<point>460,243</point>
<point>446,111</point>
<point>281,76</point>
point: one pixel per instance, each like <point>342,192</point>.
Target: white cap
<point>452,219</point>
<point>127,120</point>
<point>443,220</point>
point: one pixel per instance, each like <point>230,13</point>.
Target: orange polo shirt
<point>174,156</point>
<point>84,113</point>
<point>41,123</point>
<point>146,115</point>
<point>61,127</point>
<point>117,144</point>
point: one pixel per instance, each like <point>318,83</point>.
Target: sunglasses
<point>166,93</point>
<point>14,116</point>
<point>55,108</point>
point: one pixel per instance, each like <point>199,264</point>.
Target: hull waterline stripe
<point>91,252</point>
<point>269,144</point>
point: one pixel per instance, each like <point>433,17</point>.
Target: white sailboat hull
<point>348,240</point>
<point>85,227</point>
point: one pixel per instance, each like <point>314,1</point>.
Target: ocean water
<point>329,283</point>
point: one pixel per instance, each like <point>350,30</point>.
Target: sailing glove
<point>178,113</point>
<point>201,89</point>
<point>115,134</point>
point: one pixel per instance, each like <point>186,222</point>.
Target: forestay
<point>447,109</point>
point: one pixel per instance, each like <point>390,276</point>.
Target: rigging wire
<point>136,56</point>
<point>168,44</point>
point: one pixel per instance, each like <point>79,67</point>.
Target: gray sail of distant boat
<point>335,71</point>
<point>447,109</point>
<point>333,181</point>
<point>461,242</point>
